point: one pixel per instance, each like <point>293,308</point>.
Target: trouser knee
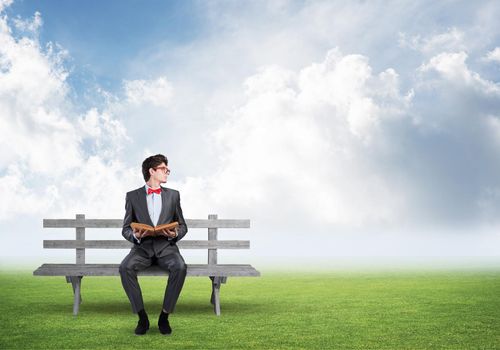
<point>179,267</point>
<point>125,269</point>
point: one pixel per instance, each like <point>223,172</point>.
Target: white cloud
<point>29,25</point>
<point>32,89</point>
<point>452,67</point>
<point>105,134</point>
<point>157,92</point>
<point>4,4</point>
<point>19,199</point>
<point>299,146</point>
<point>493,55</point>
<point>378,130</point>
<point>334,146</point>
<point>451,40</point>
<point>53,160</point>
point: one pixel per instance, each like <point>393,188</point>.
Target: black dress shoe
<point>142,327</point>
<point>164,326</point>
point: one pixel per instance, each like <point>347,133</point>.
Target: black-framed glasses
<point>164,169</point>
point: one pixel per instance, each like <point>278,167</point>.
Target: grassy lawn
<point>372,310</point>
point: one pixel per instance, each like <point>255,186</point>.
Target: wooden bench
<point>74,273</point>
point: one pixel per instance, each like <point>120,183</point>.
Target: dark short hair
<point>152,162</point>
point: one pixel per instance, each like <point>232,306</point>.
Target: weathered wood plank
<point>118,223</point>
<point>219,223</point>
<point>212,236</point>
<point>123,244</point>
<point>56,265</point>
<point>80,236</point>
<point>112,270</point>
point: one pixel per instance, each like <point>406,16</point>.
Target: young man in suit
<point>153,205</point>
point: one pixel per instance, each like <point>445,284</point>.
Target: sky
<point>361,130</point>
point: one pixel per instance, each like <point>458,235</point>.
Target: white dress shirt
<point>154,205</point>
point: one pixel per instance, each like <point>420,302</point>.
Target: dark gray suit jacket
<point>136,210</point>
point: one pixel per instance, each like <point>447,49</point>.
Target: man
<point>153,205</point>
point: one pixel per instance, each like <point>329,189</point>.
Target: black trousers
<point>137,260</point>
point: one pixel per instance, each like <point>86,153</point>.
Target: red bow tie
<point>157,191</point>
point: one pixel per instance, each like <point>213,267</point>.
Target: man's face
<point>160,173</point>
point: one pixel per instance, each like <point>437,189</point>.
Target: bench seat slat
<point>123,244</point>
<point>112,270</point>
<point>118,223</point>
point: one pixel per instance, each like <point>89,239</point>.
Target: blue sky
<point>108,40</point>
<point>371,128</point>
<point>104,37</point>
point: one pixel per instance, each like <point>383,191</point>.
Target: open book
<point>154,231</point>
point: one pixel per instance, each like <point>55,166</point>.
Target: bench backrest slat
<point>118,223</point>
<point>123,244</point>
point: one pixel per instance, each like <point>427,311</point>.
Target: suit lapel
<point>164,205</point>
<point>143,204</point>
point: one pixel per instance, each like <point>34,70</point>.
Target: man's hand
<point>138,233</point>
<point>170,233</point>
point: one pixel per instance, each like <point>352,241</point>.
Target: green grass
<point>371,310</point>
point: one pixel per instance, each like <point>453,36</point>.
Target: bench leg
<point>215,298</point>
<point>76,282</point>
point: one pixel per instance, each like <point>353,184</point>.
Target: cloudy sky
<point>363,129</point>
